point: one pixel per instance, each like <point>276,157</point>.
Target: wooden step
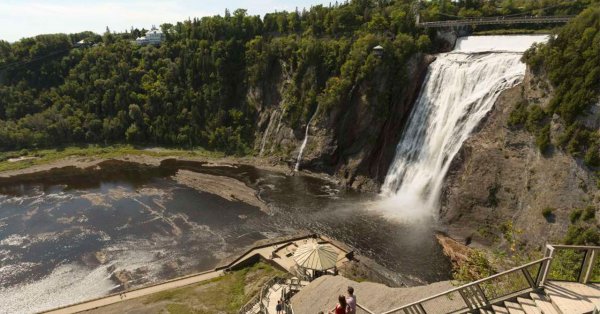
<point>528,306</point>
<point>572,297</point>
<point>499,309</point>
<point>543,303</point>
<point>484,311</point>
<point>513,308</point>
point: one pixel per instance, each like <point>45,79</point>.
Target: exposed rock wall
<point>355,142</point>
<point>500,182</point>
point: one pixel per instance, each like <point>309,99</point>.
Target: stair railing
<point>481,293</point>
<point>575,263</point>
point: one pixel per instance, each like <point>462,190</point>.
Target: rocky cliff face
<point>500,182</point>
<point>355,142</point>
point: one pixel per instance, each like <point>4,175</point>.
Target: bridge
<point>498,20</point>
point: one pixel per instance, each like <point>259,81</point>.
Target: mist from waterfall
<point>460,88</point>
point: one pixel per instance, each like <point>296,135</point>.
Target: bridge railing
<point>497,20</point>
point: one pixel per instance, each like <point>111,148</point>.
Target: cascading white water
<point>460,88</point>
<point>263,142</point>
<point>299,159</point>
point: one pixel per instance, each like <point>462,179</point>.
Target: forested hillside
<point>192,90</point>
<point>240,84</point>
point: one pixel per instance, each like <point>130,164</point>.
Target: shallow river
<point>63,233</point>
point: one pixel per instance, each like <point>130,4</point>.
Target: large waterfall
<point>459,90</point>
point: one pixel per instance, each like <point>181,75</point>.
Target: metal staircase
<point>564,281</point>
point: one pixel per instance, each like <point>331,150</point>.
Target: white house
<point>153,37</point>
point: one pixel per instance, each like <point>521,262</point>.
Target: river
<point>141,219</point>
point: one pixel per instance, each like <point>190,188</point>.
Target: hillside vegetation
<point>192,90</point>
<point>571,62</point>
<point>200,87</point>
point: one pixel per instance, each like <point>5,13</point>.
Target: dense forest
<point>193,89</point>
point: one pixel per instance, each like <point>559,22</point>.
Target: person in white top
<point>351,301</point>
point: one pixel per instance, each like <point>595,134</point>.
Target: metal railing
<point>574,263</point>
<point>249,305</point>
<point>481,293</point>
<point>362,309</point>
<point>560,262</point>
<point>498,20</point>
<point>258,300</point>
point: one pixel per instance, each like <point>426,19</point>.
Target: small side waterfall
<point>263,142</point>
<point>299,159</point>
<point>460,88</point>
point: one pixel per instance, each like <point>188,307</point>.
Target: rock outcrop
<point>500,182</point>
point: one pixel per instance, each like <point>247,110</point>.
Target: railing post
<point>549,252</point>
<point>483,296</point>
<point>464,297</point>
<point>588,266</point>
<point>527,275</point>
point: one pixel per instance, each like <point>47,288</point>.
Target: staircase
<point>565,281</point>
<point>533,303</point>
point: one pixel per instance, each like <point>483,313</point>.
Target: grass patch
<point>225,294</point>
<point>49,155</point>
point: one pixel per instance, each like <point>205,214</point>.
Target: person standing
<point>340,308</point>
<point>279,307</point>
<point>351,301</point>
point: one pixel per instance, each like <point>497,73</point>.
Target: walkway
<point>114,298</point>
<point>498,21</point>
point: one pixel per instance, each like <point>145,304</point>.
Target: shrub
<point>519,114</point>
<point>591,156</point>
<point>575,215</point>
<point>582,235</point>
<point>542,139</point>
<point>589,213</point>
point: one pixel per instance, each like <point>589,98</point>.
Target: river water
<point>143,221</point>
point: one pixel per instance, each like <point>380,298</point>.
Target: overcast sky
<point>25,18</point>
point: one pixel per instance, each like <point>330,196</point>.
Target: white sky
<point>26,18</point>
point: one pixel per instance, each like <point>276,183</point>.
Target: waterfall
<point>263,142</point>
<point>460,88</point>
<point>299,159</point>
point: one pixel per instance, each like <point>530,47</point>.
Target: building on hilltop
<point>153,37</point>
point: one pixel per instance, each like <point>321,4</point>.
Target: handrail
<point>545,264</point>
<point>474,283</point>
<point>575,247</point>
<point>364,308</point>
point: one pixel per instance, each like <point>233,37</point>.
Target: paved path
<point>172,284</point>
